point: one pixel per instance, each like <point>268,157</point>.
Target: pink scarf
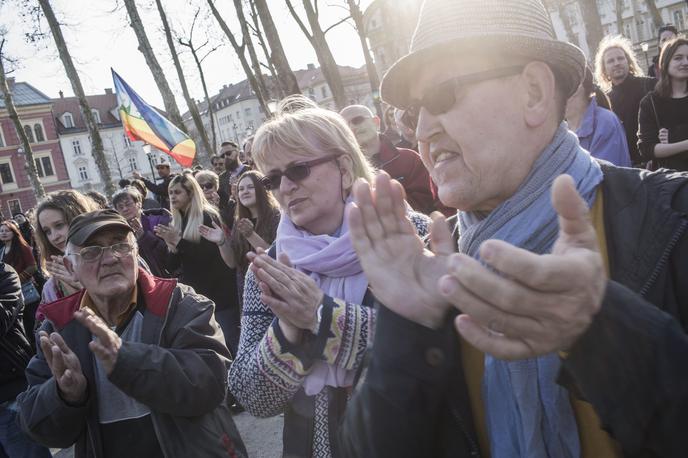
<point>332,262</point>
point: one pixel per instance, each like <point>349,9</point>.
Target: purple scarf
<point>331,261</point>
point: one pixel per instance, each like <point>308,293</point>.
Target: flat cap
<point>87,224</point>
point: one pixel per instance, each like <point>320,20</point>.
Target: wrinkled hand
<point>107,343</point>
<point>57,269</point>
<point>292,295</point>
<point>135,224</point>
<point>402,274</point>
<point>245,227</point>
<point>213,234</point>
<point>65,367</point>
<point>539,303</point>
<point>168,234</point>
<point>664,135</point>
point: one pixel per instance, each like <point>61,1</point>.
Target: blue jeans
<point>230,323</point>
<point>13,442</point>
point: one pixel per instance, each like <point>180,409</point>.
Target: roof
<point>106,104</point>
<point>24,94</point>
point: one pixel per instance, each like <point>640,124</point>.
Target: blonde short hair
<point>308,133</point>
<point>622,43</point>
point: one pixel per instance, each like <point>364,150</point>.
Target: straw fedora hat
<point>452,28</point>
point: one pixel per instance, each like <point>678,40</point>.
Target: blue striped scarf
<point>527,413</point>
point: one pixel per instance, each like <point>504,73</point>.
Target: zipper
<point>154,417</point>
<point>474,451</point>
<point>664,259</point>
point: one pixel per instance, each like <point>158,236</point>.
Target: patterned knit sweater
<point>268,370</point>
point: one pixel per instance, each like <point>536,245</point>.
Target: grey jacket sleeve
<point>187,374</point>
<point>43,414</point>
<point>631,366</point>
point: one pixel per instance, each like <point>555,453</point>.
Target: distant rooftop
<point>24,94</point>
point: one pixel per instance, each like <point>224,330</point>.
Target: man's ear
<point>539,96</point>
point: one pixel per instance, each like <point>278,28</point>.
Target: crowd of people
<point>497,269</point>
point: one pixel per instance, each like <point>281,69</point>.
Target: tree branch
<point>298,21</point>
<point>336,24</point>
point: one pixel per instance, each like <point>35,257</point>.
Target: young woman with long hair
<point>663,116</point>
<point>200,261</point>
<point>308,316</point>
<point>257,215</point>
<point>53,216</point>
<point>18,254</point>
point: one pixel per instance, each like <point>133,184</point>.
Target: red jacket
<point>405,166</point>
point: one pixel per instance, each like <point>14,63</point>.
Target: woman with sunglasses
<point>256,215</point>
<point>198,259</point>
<point>663,116</point>
<point>210,184</point>
<point>308,313</point>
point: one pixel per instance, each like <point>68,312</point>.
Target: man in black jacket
<point>159,189</point>
<point>15,352</point>
<point>572,307</point>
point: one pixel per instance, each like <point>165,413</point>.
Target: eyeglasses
<point>94,253</point>
<point>358,120</point>
<point>124,204</point>
<point>442,97</point>
<point>206,186</point>
<point>295,173</point>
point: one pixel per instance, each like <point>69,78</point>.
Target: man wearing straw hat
<point>569,285</point>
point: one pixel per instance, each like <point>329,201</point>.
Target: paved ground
<point>262,436</point>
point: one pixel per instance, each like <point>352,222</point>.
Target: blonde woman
<point>200,262</point>
<point>308,316</point>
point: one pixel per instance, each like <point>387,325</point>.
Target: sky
<point>99,37</point>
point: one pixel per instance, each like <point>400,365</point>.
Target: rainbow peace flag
<point>142,122</point>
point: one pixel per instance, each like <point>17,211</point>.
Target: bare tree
<point>373,77</point>
<point>146,49</point>
<point>194,52</point>
<point>66,58</point>
<point>239,50</point>
<point>593,24</point>
<point>285,76</point>
<point>255,29</point>
<point>618,8</point>
<point>182,81</point>
<point>654,12</point>
<point>29,165</point>
<point>248,44</point>
<point>316,37</point>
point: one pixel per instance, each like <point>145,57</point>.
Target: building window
<point>68,120</point>
<point>96,115</point>
<point>76,145</point>
<point>39,132</point>
<point>29,133</point>
<point>311,92</point>
<point>678,19</point>
<point>132,164</point>
<point>6,174</point>
<point>2,141</point>
<point>127,140</point>
<point>247,111</point>
<point>238,114</point>
<point>15,206</point>
<point>83,173</point>
<point>324,91</point>
<point>44,166</point>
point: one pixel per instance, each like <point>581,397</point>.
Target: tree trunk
<point>239,50</point>
<point>322,51</point>
<point>654,12</point>
<point>261,41</point>
<point>182,81</point>
<point>66,58</point>
<point>171,108</point>
<point>205,93</point>
<point>636,19</point>
<point>593,24</point>
<point>29,164</point>
<point>565,17</point>
<point>248,44</point>
<point>373,76</point>
<point>619,7</point>
<point>285,76</point>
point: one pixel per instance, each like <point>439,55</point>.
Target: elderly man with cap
<point>569,284</point>
<point>160,190</point>
<point>132,365</point>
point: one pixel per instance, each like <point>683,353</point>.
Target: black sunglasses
<point>358,120</point>
<point>295,173</point>
<point>442,97</point>
<point>206,186</point>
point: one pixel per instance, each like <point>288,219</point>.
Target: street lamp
<point>645,47</point>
